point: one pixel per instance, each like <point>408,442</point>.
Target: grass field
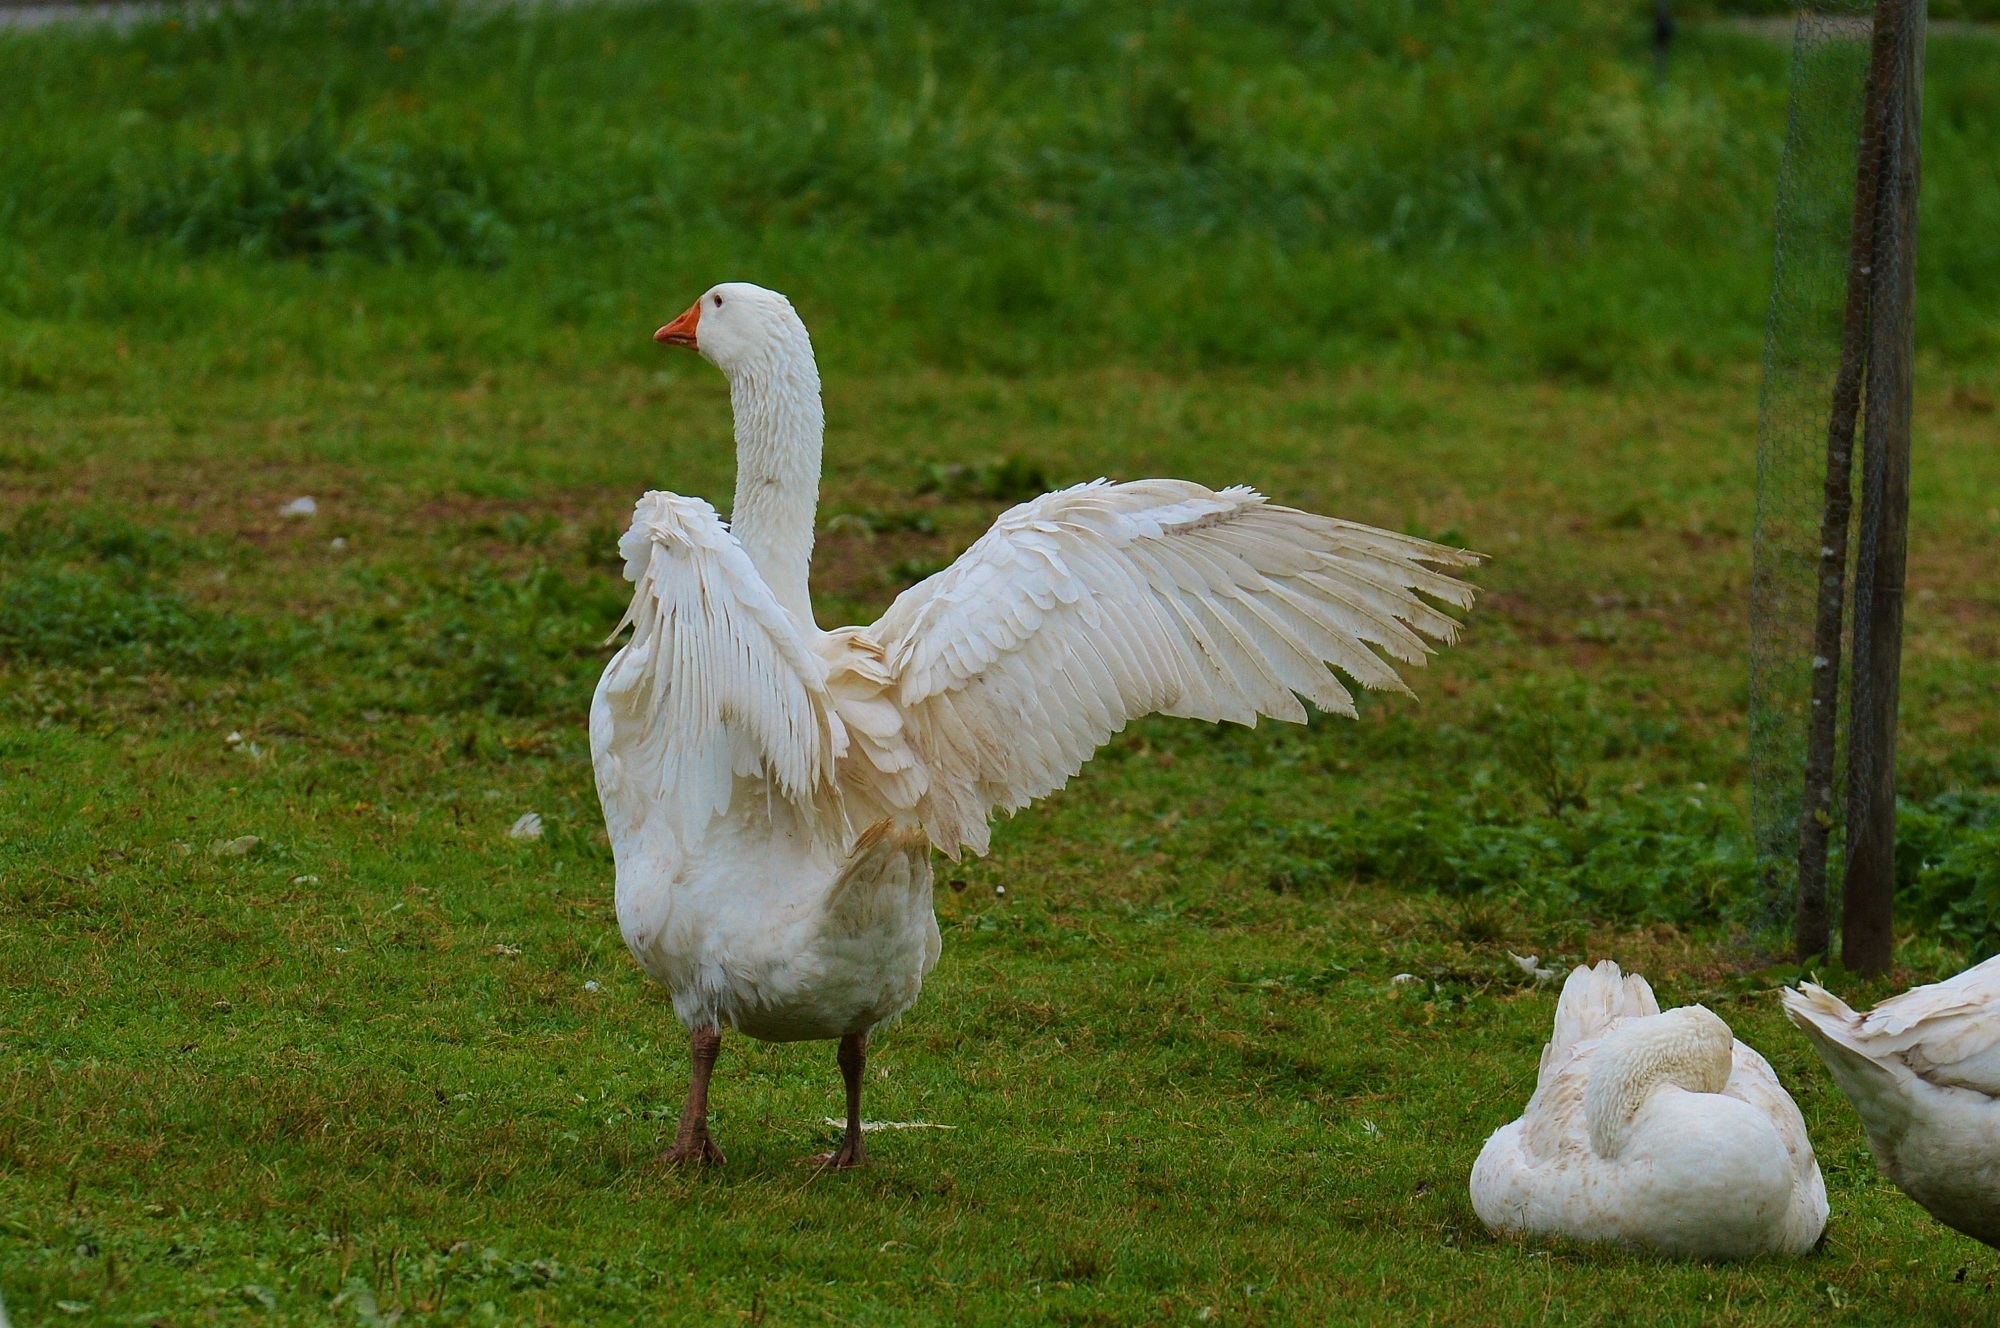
<point>387,1063</point>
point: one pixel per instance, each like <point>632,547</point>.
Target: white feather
<point>1085,609</point>
<point>1923,1072</point>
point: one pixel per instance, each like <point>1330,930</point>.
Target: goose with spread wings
<point>773,792</point>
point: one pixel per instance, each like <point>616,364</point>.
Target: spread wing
<point>716,685</point>
<point>1089,607</point>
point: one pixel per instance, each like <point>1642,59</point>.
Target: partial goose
<point>773,791</point>
<point>1653,1130</point>
<point>1923,1072</point>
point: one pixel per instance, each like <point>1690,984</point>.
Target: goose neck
<point>779,426</point>
<point>1689,1048</point>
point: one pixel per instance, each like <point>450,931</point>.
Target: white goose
<point>1923,1072</point>
<point>773,792</point>
<point>1653,1130</point>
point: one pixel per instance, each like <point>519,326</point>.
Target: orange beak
<point>680,332</point>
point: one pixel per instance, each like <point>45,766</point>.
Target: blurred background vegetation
<point>1000,185</point>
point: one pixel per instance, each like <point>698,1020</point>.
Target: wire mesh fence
<point>1845,245</point>
<point>1801,362</point>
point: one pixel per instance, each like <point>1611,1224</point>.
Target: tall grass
<point>1013,184</point>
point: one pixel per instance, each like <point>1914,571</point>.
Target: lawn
<point>384,1061</point>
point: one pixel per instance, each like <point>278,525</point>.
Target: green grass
<point>358,1069</point>
<point>1007,188</point>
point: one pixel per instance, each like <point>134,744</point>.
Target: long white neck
<point>779,426</point>
<point>1689,1047</point>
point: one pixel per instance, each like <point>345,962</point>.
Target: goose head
<point>1689,1048</point>
<point>740,328</point>
<point>755,337</point>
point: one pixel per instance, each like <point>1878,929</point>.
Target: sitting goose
<point>773,792</point>
<point>1653,1130</point>
<point>1923,1072</point>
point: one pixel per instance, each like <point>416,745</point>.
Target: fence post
<point>1867,919</point>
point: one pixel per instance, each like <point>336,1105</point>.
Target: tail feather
<point>886,873</point>
<point>1594,999</point>
<point>1810,1001</point>
<point>1881,1090</point>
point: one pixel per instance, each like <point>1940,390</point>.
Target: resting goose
<point>1923,1072</point>
<point>1654,1130</point>
<point>773,792</point>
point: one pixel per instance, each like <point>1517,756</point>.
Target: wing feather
<point>1947,1032</point>
<point>716,683</point>
<point>1087,608</point>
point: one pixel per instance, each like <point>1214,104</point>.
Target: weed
<point>1948,867</point>
<point>311,196</point>
<point>87,591</point>
<point>1010,479</point>
<point>87,617</point>
<point>1542,730</point>
<point>95,537</point>
<point>522,644</point>
<point>908,571</point>
<point>878,521</point>
<point>1666,856</point>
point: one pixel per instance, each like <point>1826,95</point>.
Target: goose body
<point>773,792</point>
<point>1653,1130</point>
<point>1923,1072</point>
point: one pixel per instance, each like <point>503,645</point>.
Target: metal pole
<point>1867,920</point>
<point>1811,923</point>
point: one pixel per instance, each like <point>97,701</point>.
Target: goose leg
<point>692,1146</point>
<point>853,1060</point>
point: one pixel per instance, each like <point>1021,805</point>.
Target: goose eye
<point>718,301</point>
